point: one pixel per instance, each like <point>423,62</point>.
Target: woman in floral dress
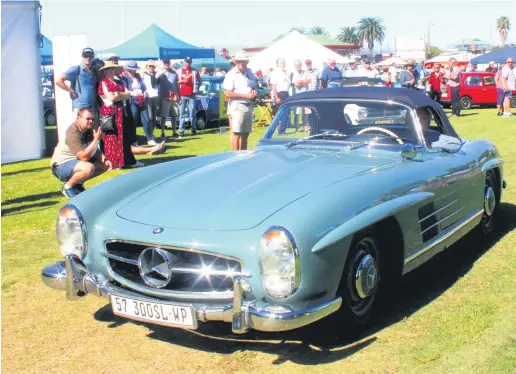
<point>119,152</point>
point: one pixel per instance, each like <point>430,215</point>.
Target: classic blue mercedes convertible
<point>347,189</point>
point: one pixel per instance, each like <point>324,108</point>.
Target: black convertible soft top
<point>413,98</point>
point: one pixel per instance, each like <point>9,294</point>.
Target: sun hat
<point>241,56</point>
<point>109,65</point>
<point>131,65</point>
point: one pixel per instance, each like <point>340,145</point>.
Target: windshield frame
<point>310,102</point>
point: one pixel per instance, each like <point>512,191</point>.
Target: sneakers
<point>499,114</point>
<point>181,134</point>
<point>508,114</point>
<point>151,142</point>
<point>138,164</point>
<point>175,135</point>
<point>70,192</point>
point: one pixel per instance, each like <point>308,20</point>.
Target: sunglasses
<point>87,118</point>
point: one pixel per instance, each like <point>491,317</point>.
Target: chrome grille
<point>194,271</point>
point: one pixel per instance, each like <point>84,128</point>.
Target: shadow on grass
<point>323,342</point>
<point>462,114</point>
<point>28,207</point>
<point>25,171</point>
<point>26,199</point>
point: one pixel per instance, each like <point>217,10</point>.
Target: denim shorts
<point>499,96</point>
<point>508,94</point>
<point>64,171</point>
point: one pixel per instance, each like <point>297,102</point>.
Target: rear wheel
<point>200,122</point>
<point>361,278</point>
<point>491,202</point>
<point>465,102</point>
<point>50,119</point>
<point>513,102</point>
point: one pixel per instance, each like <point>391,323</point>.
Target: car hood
<point>240,192</point>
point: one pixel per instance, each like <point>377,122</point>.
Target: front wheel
<point>491,202</point>
<point>50,119</point>
<point>465,102</point>
<point>361,279</point>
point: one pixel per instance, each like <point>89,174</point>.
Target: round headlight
<point>71,232</point>
<point>279,263</point>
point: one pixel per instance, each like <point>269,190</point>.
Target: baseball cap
<point>88,52</point>
<point>491,62</point>
<point>166,61</point>
<point>188,59</point>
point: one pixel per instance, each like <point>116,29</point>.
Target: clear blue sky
<point>250,23</point>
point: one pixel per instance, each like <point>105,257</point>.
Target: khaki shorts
<point>241,117</point>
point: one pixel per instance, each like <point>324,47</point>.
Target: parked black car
<point>49,111</point>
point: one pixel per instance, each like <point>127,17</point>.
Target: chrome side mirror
<point>409,151</point>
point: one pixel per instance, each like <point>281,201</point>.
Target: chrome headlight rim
<point>297,262</point>
<point>82,224</point>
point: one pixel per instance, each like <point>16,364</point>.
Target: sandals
<point>159,149</point>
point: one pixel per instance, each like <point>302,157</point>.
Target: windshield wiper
<point>324,134</point>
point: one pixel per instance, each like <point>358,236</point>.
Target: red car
<point>476,88</point>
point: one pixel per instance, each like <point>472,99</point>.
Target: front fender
<point>369,216</point>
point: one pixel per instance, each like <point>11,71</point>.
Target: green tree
<point>371,30</point>
<point>432,52</point>
<point>503,25</point>
<point>300,30</point>
<point>349,35</point>
<point>318,30</point>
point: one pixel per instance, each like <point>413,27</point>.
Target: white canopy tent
<point>292,47</point>
<point>23,136</point>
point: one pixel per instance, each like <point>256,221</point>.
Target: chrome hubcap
<point>489,201</point>
<point>365,276</point>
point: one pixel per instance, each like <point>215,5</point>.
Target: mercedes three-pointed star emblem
<point>155,266</point>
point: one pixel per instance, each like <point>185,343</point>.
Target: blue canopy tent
<point>46,51</point>
<point>498,56</point>
<point>208,62</point>
<point>155,43</point>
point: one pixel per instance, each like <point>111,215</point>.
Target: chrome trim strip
<point>183,270</point>
<point>442,238</point>
<point>121,259</point>
<point>437,211</point>
<point>441,220</point>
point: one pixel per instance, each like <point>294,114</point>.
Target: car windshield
<point>350,122</point>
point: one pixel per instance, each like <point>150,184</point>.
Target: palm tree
<point>349,35</point>
<point>300,30</point>
<point>371,30</point>
<point>318,30</point>
<point>503,26</point>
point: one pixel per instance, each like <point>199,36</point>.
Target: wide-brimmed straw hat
<point>241,56</point>
<point>111,65</point>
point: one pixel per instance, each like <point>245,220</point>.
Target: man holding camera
<point>83,82</point>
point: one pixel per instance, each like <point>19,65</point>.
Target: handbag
<point>107,124</point>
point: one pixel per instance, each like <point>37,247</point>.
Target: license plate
<point>154,312</point>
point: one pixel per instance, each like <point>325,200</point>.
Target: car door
<point>488,89</point>
<point>455,183</point>
<point>472,87</point>
<point>214,100</point>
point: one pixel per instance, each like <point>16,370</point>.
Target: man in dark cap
<point>189,82</point>
<point>83,80</point>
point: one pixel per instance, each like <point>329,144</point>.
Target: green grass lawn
<point>456,314</point>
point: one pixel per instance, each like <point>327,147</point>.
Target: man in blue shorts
<point>77,156</point>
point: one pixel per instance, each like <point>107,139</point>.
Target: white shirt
<point>394,72</point>
<point>298,76</point>
<point>240,83</point>
<point>151,92</point>
<point>508,73</point>
<point>281,79</point>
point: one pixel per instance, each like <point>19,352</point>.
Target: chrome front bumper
<point>242,314</point>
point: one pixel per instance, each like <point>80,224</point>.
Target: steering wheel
<point>381,129</point>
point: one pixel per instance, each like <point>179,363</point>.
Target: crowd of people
<point>110,100</point>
